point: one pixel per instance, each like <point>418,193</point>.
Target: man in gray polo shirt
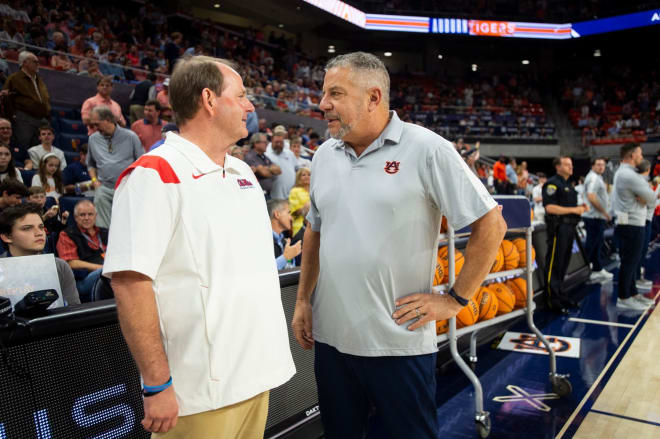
<point>111,150</point>
<point>596,218</point>
<point>378,190</point>
<point>631,196</point>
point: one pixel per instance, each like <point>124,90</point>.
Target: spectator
<point>286,249</point>
<point>299,199</point>
<point>83,246</point>
<point>537,198</point>
<point>19,155</point>
<point>163,98</point>
<point>287,163</point>
<point>46,135</point>
<point>173,50</point>
<point>296,146</point>
<point>265,170</point>
<point>596,218</point>
<point>49,176</point>
<point>7,167</point>
<point>111,150</point>
<point>149,129</point>
<point>51,217</point>
<point>30,99</point>
<point>111,68</point>
<point>644,169</point>
<point>499,174</point>
<point>237,151</point>
<point>511,176</point>
<point>279,129</point>
<point>139,96</point>
<point>60,61</point>
<point>11,193</point>
<point>22,231</point>
<point>76,175</point>
<point>166,129</point>
<point>102,98</point>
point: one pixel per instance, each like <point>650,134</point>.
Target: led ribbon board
<point>612,24</point>
<point>342,10</point>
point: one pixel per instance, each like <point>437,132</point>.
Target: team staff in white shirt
<point>206,328</point>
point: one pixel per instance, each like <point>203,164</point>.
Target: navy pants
<point>645,247</point>
<point>402,389</point>
<point>560,245</point>
<point>595,239</point>
<point>631,239</point>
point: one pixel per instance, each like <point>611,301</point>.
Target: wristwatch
<point>461,300</point>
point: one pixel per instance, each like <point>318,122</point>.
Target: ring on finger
<point>417,312</point>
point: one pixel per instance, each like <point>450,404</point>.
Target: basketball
<point>439,272</point>
<point>444,262</point>
<point>443,225</point>
<point>519,287</point>
<point>522,252</point>
<point>468,315</point>
<point>505,297</point>
<point>488,304</point>
<point>499,261</point>
<point>441,326</point>
<point>510,253</point>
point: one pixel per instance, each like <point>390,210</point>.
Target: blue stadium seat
<point>70,156</point>
<point>71,126</point>
<point>63,112</point>
<point>102,289</point>
<point>27,176</point>
<point>71,142</point>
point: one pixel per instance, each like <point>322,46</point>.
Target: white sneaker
<point>643,300</point>
<point>644,284</point>
<point>630,303</point>
<point>602,274</point>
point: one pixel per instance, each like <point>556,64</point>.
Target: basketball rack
<point>516,213</point>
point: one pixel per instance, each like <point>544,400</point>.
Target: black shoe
<point>560,311</point>
<point>571,304</point>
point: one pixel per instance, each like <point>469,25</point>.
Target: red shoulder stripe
<point>155,162</point>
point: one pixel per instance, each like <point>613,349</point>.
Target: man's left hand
<point>425,307</point>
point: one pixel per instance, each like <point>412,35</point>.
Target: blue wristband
<point>150,389</point>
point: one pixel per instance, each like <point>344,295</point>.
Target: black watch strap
<point>463,301</point>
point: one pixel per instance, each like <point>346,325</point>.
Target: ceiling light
<point>331,50</point>
<point>597,52</point>
<point>525,61</point>
<point>439,56</point>
<point>388,54</point>
<point>217,5</point>
<point>297,8</point>
<point>474,67</point>
<point>331,47</point>
<point>280,25</point>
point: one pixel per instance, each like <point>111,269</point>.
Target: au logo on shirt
<point>392,167</point>
<point>244,184</point>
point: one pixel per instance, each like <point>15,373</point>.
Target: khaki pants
<point>244,420</point>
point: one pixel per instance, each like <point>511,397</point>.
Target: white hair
<point>104,113</point>
<point>370,71</point>
<point>23,56</point>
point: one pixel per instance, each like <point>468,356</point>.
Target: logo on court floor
<point>392,167</point>
<point>529,343</point>
<point>521,395</point>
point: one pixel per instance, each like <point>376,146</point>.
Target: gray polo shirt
<point>628,184</point>
<point>110,162</point>
<point>594,184</point>
<point>379,219</point>
<point>283,183</point>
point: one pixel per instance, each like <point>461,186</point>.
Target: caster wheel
<point>561,386</point>
<point>472,365</point>
<point>483,427</point>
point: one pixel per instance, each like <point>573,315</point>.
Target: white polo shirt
<point>203,235</point>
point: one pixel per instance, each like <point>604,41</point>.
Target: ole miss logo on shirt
<point>244,184</point>
<point>392,167</point>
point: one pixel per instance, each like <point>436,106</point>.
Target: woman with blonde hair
<point>299,199</point>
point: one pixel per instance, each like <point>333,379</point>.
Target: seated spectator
<point>23,234</point>
<point>279,130</point>
<point>11,193</point>
<point>287,163</point>
<point>46,135</point>
<point>102,98</point>
<point>60,61</point>
<point>149,129</point>
<point>49,176</point>
<point>286,249</point>
<point>163,98</point>
<point>110,68</point>
<point>265,170</point>
<point>51,217</point>
<point>75,175</point>
<point>299,200</point>
<point>166,129</point>
<point>140,96</point>
<point>237,151</point>
<point>7,167</point>
<point>83,245</point>
<point>296,146</point>
<point>20,155</point>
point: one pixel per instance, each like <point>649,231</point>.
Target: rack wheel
<point>561,386</point>
<point>473,365</point>
<point>483,426</point>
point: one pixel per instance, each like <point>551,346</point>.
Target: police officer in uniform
<point>561,216</point>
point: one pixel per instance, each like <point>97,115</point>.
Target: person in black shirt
<point>139,96</point>
<point>561,216</point>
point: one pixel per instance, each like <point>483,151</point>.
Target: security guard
<point>561,216</point>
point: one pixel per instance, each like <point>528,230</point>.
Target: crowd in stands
<point>614,105</point>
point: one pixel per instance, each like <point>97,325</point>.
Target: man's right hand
<point>302,324</point>
<point>291,251</point>
<point>96,184</point>
<point>160,411</point>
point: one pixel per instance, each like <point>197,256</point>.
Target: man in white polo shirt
<point>596,218</point>
<point>191,257</point>
<point>378,190</point>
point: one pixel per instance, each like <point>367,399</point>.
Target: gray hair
<point>644,166</point>
<point>276,206</point>
<point>104,113</point>
<point>25,55</point>
<point>257,137</point>
<point>80,203</point>
<point>370,70</point>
